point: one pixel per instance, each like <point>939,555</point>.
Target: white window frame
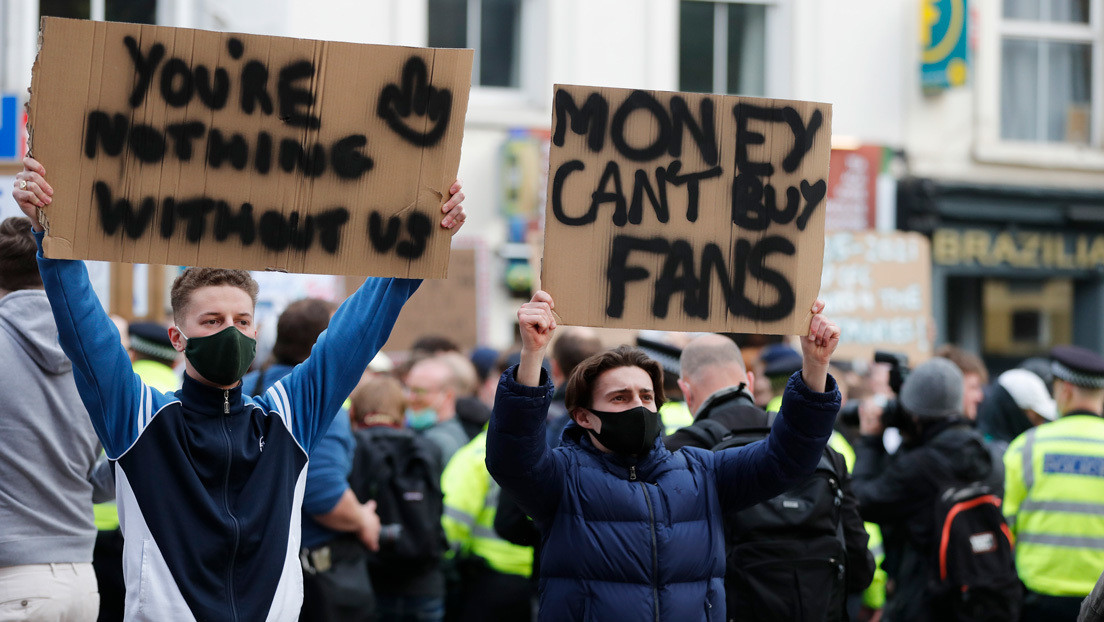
<point>989,146</point>
<point>532,68</point>
<point>778,24</point>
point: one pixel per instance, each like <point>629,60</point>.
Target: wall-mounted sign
<point>943,42</point>
<point>1020,250</point>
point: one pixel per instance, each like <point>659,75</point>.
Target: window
<point>491,27</point>
<point>1045,89</point>
<point>134,11</point>
<point>1026,317</point>
<point>723,47</point>
<point>1046,71</point>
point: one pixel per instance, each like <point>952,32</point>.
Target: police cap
<point>151,339</point>
<point>1078,366</point>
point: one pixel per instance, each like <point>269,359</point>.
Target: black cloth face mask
<point>629,432</point>
<point>224,357</point>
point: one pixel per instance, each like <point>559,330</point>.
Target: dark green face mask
<point>224,357</point>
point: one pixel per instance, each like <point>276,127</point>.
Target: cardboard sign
<point>877,287</point>
<point>177,146</point>
<point>445,307</point>
<point>684,211</point>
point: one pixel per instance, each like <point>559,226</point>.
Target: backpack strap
<point>706,432</point>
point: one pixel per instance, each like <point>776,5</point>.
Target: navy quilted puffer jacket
<point>642,539</point>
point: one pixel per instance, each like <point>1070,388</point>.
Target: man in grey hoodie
<point>48,453</point>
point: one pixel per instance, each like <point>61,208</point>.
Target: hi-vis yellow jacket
<point>471,500</point>
<point>1054,503</point>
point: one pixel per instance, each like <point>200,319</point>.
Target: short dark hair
<point>195,278</point>
<point>299,327</point>
<point>580,385</point>
<point>434,344</point>
<point>574,346</point>
<point>18,266</point>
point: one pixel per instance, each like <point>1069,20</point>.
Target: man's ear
<point>751,382</point>
<point>176,338</point>
<point>582,417</point>
<point>687,391</point>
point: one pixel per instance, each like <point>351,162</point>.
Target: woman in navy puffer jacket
<point>630,530</point>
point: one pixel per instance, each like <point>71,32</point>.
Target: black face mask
<point>629,432</point>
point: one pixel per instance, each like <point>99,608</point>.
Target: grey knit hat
<point>933,390</point>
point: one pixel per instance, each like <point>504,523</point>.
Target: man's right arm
<point>117,401</point>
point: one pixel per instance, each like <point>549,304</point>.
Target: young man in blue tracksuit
<point>631,531</point>
<point>210,481</point>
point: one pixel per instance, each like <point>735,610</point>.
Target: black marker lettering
<point>262,156</point>
<point>562,172</point>
<point>109,132</point>
<point>213,95</point>
<point>113,214</point>
<point>182,135</point>
<point>692,181</point>
<point>619,273</point>
<point>382,240</point>
<point>641,100</point>
<point>329,224</point>
<point>227,222</point>
<point>589,121</point>
<point>195,212</point>
<point>292,98</point>
<point>757,261</point>
<point>144,66</point>
<point>642,185</point>
<point>803,136</point>
<point>677,276</point>
<point>745,137</point>
<point>617,196</point>
<point>813,194</point>
<point>254,88</point>
<point>274,230</point>
<point>147,144</point>
<point>176,83</point>
<point>219,150</point>
<point>293,154</point>
<point>704,133</point>
<point>418,227</point>
<point>347,160</point>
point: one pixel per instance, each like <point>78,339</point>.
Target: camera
<point>892,414</point>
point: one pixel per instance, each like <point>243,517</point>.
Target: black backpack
<point>402,472</point>
<point>975,571</point>
<point>786,557</point>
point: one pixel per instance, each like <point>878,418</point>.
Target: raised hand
<point>455,216</point>
<point>817,348</point>
<point>537,324</point>
<point>31,190</point>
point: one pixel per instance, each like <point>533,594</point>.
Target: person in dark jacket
<point>1015,403</point>
<point>716,387</point>
<point>900,492</point>
<point>630,530</point>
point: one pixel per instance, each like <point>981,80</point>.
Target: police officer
<point>1054,491</point>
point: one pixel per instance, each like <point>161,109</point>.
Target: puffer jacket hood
<point>25,316</point>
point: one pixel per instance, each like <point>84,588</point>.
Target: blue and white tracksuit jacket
<point>210,482</point>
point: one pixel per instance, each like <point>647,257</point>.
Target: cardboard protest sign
<point>447,307</point>
<point>878,289</point>
<point>178,146</point>
<point>685,211</point>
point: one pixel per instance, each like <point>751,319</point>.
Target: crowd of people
<point>679,477</point>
